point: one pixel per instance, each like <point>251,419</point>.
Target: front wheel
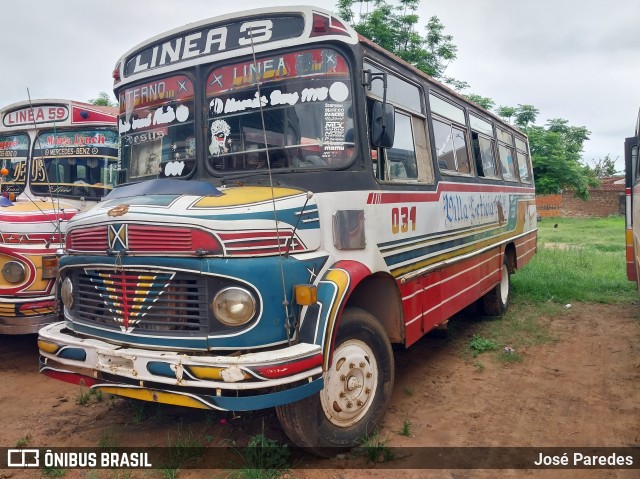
<point>357,389</point>
<point>496,301</point>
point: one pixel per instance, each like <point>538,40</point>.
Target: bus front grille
<point>141,300</point>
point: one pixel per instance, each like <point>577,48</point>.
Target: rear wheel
<point>496,301</point>
<point>357,389</point>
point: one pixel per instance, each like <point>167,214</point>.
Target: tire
<point>496,301</point>
<point>357,389</point>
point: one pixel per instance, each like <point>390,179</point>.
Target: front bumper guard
<point>243,382</point>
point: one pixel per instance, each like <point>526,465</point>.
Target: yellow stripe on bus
<point>341,279</point>
<point>519,228</point>
<point>245,196</point>
<point>162,397</point>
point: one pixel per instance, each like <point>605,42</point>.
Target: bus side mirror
<point>383,125</point>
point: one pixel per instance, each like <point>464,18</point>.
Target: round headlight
<point>66,293</point>
<point>13,272</point>
<point>233,306</point>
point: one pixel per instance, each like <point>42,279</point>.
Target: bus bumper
<point>235,382</point>
<point>26,317</point>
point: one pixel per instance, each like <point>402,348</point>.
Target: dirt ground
<point>580,390</point>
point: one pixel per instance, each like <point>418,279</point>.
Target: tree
<point>103,99</point>
<point>394,28</point>
<point>525,115</point>
<point>555,154</point>
<point>506,112</point>
<point>483,101</point>
<point>604,167</point>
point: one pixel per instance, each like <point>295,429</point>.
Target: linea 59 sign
<point>37,114</point>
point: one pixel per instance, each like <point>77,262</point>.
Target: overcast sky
<point>572,59</point>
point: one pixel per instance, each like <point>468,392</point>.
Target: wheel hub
<point>353,383</point>
<point>350,384</point>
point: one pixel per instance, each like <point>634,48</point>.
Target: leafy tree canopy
<point>103,99</point>
<point>604,167</point>
<point>483,101</point>
<point>395,28</point>
<point>556,150</point>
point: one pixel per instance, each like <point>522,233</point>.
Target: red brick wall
<point>548,205</point>
<point>601,203</point>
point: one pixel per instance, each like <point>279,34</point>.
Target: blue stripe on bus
<point>309,220</point>
<point>264,401</point>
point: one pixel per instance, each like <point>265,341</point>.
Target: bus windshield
<point>303,101</point>
<point>157,129</point>
<point>14,151</point>
<point>73,164</point>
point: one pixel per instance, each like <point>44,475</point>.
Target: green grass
<point>406,428</point>
<point>264,458</point>
<point>376,449</point>
<point>578,260</point>
<point>24,441</point>
<point>53,472</point>
<point>479,344</point>
<point>582,259</point>
<point>88,396</point>
<point>108,439</point>
<point>521,327</point>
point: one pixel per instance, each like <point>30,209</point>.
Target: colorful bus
<point>296,200</point>
<point>56,157</point>
<point>632,215</point>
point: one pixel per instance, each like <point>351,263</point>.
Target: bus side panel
<point>449,290</point>
<point>414,293</point>
<point>633,236</point>
<point>526,247</point>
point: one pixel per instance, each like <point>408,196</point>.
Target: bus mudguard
<point>334,289</point>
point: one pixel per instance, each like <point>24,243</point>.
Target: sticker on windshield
<point>220,131</point>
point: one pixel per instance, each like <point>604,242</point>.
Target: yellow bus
<point>56,157</point>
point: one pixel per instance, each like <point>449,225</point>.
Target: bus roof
<point>374,46</point>
<point>54,111</point>
<point>228,36</point>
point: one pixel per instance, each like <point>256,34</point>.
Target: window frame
<point>435,116</point>
<point>207,119</point>
<point>500,142</point>
<point>386,162</point>
<point>191,74</point>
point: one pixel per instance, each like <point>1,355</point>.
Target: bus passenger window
<point>523,160</point>
<point>523,167</point>
<point>401,158</point>
<point>444,145</point>
<point>460,144</point>
<point>507,164</point>
<point>483,155</point>
<point>451,147</point>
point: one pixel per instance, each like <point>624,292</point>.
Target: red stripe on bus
<point>418,197</point>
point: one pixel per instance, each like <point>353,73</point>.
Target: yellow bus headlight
<point>14,272</point>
